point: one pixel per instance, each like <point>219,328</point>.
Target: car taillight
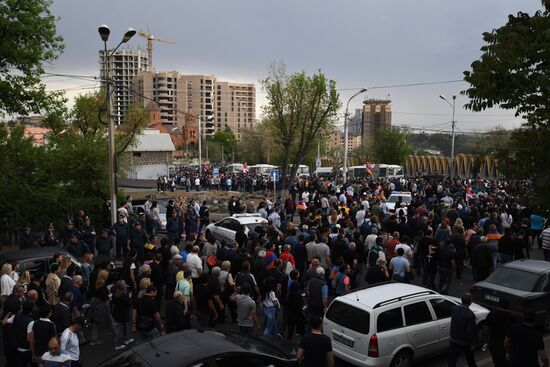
<point>373,346</point>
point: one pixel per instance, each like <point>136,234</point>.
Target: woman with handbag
<point>227,285</point>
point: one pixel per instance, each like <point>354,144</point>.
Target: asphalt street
<point>92,355</point>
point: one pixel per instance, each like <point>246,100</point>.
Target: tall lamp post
<point>363,90</point>
<point>453,122</point>
<point>208,118</point>
<point>104,32</point>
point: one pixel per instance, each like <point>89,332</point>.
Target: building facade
<point>122,67</point>
<point>376,114</point>
<point>219,104</point>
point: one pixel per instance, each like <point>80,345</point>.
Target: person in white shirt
<point>6,281</point>
<point>343,199</point>
<point>194,262</point>
<point>409,255</point>
<point>506,220</point>
<point>370,241</point>
<point>69,340</point>
<point>275,218</point>
<point>360,217</point>
<point>197,184</point>
<point>305,196</point>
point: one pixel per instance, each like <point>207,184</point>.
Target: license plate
<point>343,340</point>
<point>491,298</point>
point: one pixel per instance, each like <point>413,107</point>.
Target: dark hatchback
<point>207,348</point>
<point>526,285</point>
<point>35,260</point>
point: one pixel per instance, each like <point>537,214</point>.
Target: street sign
<point>216,171</point>
<point>275,175</point>
<point>318,162</point>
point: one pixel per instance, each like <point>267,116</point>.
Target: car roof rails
<point>401,298</point>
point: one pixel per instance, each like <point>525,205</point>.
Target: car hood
<point>287,347</point>
<point>478,310</point>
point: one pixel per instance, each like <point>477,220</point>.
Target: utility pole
<point>200,146</point>
<point>363,90</point>
<point>453,123</point>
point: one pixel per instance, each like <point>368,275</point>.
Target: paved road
<point>95,354</point>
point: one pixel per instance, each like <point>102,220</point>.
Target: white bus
<point>261,169</point>
<point>387,171</point>
<point>358,171</point>
<point>324,171</point>
<point>303,170</point>
<point>234,168</point>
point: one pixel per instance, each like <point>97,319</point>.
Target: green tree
<point>257,145</point>
<point>513,72</point>
<point>390,145</point>
<point>299,108</point>
<point>226,139</point>
<point>28,39</point>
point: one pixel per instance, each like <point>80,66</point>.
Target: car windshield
<point>252,226</point>
<point>395,199</point>
<point>254,345</point>
<point>514,278</point>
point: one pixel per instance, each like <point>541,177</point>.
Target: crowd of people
<point>322,240</point>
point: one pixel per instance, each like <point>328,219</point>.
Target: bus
<point>358,171</point>
<point>234,168</point>
<point>303,170</point>
<point>261,169</point>
<point>387,171</point>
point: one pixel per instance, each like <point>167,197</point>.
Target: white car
<point>398,197</point>
<point>392,324</point>
<point>225,229</point>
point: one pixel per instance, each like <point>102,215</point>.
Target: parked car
<point>398,197</point>
<point>526,284</point>
<point>392,324</point>
<point>207,348</point>
<point>139,207</point>
<point>36,260</point>
<point>225,229</point>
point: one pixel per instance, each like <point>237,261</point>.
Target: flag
<point>245,168</point>
<point>369,168</point>
<point>206,167</point>
<point>469,195</point>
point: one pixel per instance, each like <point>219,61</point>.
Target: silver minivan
<point>391,324</point>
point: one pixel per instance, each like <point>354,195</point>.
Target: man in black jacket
<point>175,317</point>
<point>463,332</point>
<point>61,315</point>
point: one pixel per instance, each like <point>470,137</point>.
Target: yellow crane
<point>150,38</point>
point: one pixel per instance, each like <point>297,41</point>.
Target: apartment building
<point>219,104</point>
<point>122,67</point>
<point>376,114</point>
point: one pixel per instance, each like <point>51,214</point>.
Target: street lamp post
<point>363,90</point>
<point>453,122</point>
<point>200,142</point>
<point>104,32</point>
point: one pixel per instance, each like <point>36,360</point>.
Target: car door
<point>421,327</point>
<point>221,230</point>
<point>442,309</point>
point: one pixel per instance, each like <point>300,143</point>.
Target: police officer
<point>88,234</point>
<point>26,240</point>
<point>121,230</point>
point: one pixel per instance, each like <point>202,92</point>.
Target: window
<point>34,266</point>
<point>442,307</point>
<point>389,320</point>
<point>514,278</point>
<point>349,317</point>
<point>417,313</point>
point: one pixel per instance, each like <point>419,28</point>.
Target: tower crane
<point>150,38</point>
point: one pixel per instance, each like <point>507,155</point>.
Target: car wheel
<point>402,359</point>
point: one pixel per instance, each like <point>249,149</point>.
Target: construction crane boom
<point>150,38</point>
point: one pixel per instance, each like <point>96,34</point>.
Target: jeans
<point>444,280</point>
<point>154,226</point>
<point>144,336</point>
<point>122,332</point>
<point>454,353</point>
<point>505,258</point>
<point>270,321</point>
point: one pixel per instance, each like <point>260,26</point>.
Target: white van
<point>392,324</point>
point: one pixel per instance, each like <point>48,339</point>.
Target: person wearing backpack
<point>375,252</point>
<point>342,280</point>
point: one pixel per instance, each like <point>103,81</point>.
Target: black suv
<point>526,284</point>
<point>35,260</point>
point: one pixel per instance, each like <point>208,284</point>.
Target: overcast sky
<point>357,43</point>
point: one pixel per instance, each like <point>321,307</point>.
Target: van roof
<point>379,295</point>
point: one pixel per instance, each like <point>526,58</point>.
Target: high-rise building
<point>219,104</point>
<point>376,114</point>
<point>355,123</point>
<point>122,67</point>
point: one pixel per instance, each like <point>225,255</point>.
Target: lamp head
<point>454,96</point>
<point>363,90</point>
<point>104,32</point>
<point>442,97</point>
<point>129,34</point>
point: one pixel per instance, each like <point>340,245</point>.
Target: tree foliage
<point>513,72</point>
<point>299,108</point>
<point>28,39</point>
<point>390,145</point>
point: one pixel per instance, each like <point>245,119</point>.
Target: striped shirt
<point>545,238</point>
